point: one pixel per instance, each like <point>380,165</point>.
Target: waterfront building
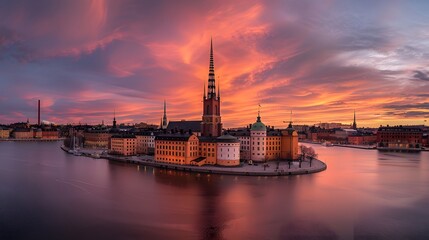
<point>228,151</point>
<point>399,138</point>
<point>289,144</point>
<point>23,133</point>
<point>145,143</point>
<point>98,138</point>
<point>362,139</point>
<point>124,145</point>
<point>258,138</point>
<point>4,132</point>
<point>37,133</point>
<point>260,143</point>
<point>50,134</point>
<point>176,148</point>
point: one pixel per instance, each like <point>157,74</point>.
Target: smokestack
<point>38,114</point>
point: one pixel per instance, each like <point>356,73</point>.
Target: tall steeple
<point>212,123</point>
<point>114,118</point>
<point>211,85</point>
<point>164,117</point>
<point>354,119</point>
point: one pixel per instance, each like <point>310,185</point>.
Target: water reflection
<point>363,194</point>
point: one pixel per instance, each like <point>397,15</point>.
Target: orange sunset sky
<point>320,59</point>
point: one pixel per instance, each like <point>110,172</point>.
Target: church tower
<point>114,118</point>
<point>354,126</point>
<point>164,117</point>
<point>211,125</point>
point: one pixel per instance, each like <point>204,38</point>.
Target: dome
<point>227,138</point>
<point>258,125</point>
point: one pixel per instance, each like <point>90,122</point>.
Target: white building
<point>258,138</point>
<point>228,151</point>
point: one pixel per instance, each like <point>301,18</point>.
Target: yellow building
<point>208,150</point>
<point>176,149</point>
<point>97,138</point>
<point>23,133</point>
<point>4,132</point>
<point>273,146</point>
<point>123,145</point>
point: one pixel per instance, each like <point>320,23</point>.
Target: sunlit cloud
<point>320,60</point>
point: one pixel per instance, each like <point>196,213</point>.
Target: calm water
<point>48,194</point>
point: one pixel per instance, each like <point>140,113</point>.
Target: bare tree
<point>308,152</point>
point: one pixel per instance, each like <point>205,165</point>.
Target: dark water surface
<point>48,194</point>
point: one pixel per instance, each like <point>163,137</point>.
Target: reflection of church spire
<point>354,120</point>
<point>164,118</point>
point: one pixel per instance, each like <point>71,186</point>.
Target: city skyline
<point>323,61</point>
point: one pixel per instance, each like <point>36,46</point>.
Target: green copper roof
<point>258,125</point>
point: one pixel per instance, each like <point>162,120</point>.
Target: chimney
<point>38,113</point>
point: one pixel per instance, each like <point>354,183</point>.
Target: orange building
<point>4,132</point>
<point>273,146</point>
<point>23,133</point>
<point>176,149</point>
<point>362,139</point>
<point>208,150</point>
<point>123,145</point>
<point>50,134</point>
<point>97,139</point>
<point>37,133</point>
<point>289,144</point>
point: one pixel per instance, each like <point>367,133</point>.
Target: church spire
<point>354,119</point>
<point>211,85</point>
<point>114,118</point>
<point>164,117</point>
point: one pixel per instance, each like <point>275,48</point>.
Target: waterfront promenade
<point>271,168</point>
